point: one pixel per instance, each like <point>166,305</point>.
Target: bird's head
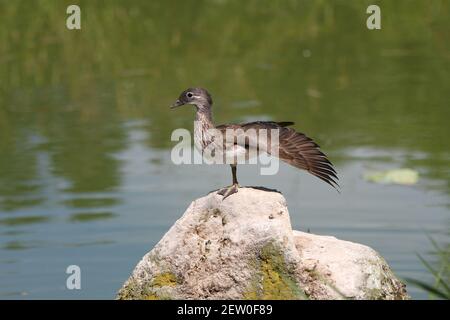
<point>198,97</point>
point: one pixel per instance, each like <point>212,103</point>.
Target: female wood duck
<point>294,147</point>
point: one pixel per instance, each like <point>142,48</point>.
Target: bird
<point>294,148</point>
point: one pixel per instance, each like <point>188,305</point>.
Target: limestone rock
<point>244,248</point>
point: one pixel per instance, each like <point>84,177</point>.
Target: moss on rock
<point>274,278</point>
<point>166,279</point>
<point>153,290</point>
<point>130,291</point>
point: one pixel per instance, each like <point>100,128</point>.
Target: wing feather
<point>295,148</point>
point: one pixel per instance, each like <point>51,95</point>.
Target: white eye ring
<point>189,94</point>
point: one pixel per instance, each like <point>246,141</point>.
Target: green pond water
<point>85,172</point>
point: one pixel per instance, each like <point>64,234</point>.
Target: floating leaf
<point>395,176</point>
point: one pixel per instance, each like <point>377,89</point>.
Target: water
<point>85,170</point>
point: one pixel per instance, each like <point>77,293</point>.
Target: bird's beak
<point>177,104</point>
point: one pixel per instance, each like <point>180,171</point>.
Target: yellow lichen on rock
<point>273,280</point>
<point>166,279</point>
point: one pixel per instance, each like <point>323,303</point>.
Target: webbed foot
<point>228,191</point>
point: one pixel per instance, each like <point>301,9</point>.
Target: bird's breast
<point>202,136</point>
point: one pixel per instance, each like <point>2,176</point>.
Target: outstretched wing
<point>295,148</point>
<point>302,152</point>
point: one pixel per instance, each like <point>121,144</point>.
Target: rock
<point>349,270</point>
<point>244,248</point>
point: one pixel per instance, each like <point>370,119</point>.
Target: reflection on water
<point>89,216</point>
<point>85,171</point>
<point>15,221</point>
<point>90,202</point>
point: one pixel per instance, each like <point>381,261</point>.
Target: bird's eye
<point>189,94</point>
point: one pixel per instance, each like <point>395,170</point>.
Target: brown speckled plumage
<point>294,148</point>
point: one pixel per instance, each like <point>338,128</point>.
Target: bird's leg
<point>233,172</point>
<point>228,191</point>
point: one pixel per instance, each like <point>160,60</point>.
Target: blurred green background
<point>85,171</point>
